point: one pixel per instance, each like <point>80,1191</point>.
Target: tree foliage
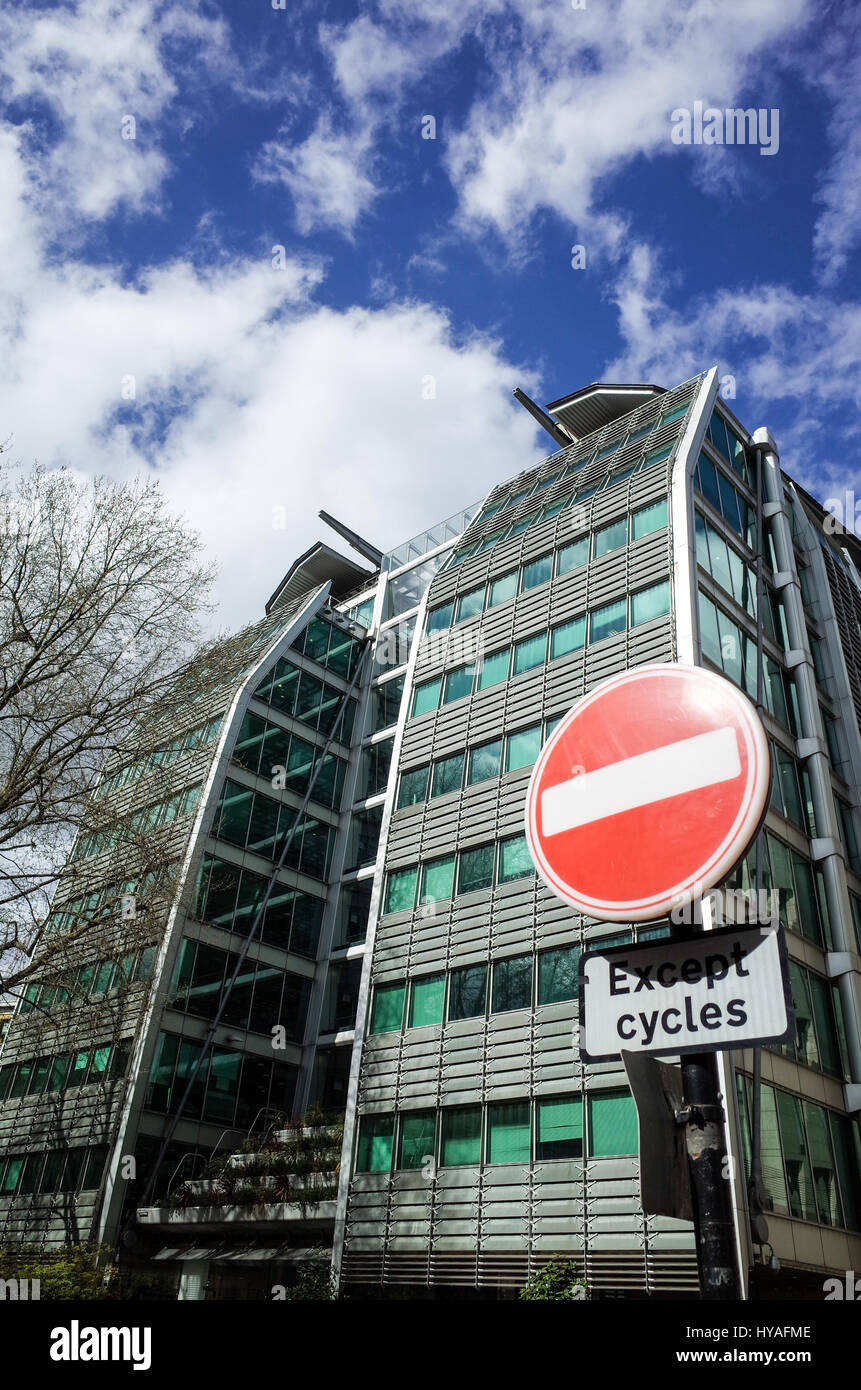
<point>558,1280</point>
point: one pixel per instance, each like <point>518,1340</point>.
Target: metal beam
<point>364,547</point>
<point>562,438</point>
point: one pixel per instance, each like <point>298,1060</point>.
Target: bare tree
<point>101,596</point>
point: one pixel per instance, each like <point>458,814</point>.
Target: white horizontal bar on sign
<point>674,770</point>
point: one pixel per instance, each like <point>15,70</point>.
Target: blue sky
<point>366,366</point>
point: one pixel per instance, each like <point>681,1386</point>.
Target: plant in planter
<point>558,1280</point>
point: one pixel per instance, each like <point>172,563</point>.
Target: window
<point>536,572</point>
<point>484,762</point>
<point>612,1123</point>
<point>448,775</point>
<point>512,984</point>
<point>557,975</point>
<point>476,869</point>
<point>494,668</point>
<point>572,556</point>
<point>567,637</point>
<point>608,620</point>
<point>437,880</point>
<point>508,1138</point>
<point>503,588</point>
<point>514,859</point>
<point>470,605</point>
<point>439,618</point>
<point>418,1133</point>
<point>611,537</point>
<point>458,684</point>
<point>388,1013</point>
<point>467,992</point>
<point>426,696</point>
<point>559,1121</point>
<point>529,653</point>
<point>376,1135</point>
<point>649,519</point>
<point>401,890</point>
<point>427,996</point>
<point>413,787</point>
<point>522,748</point>
<point>461,1136</point>
<point>650,603</point>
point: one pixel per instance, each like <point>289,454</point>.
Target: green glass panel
<point>608,621</point>
<point>426,697</point>
<point>427,997</point>
<point>536,572</point>
<point>439,618</point>
<point>822,995</point>
<point>611,537</point>
<point>448,775</point>
<point>568,637</point>
<point>512,984</point>
<point>514,859</point>
<point>508,1139</point>
<point>649,519</point>
<point>401,890</point>
<point>529,653</point>
<point>458,684</point>
<point>418,1132</point>
<point>796,1161</point>
<point>437,880</point>
<point>560,1128</point>
<point>571,557</point>
<point>467,995</point>
<point>822,1163</point>
<point>709,631</point>
<point>558,975</point>
<point>650,603</point>
<point>503,588</point>
<point>493,668</point>
<point>461,1136</point>
<point>470,605</point>
<point>612,1123</point>
<point>484,761</point>
<point>522,748</point>
<point>413,786</point>
<point>847,1152</point>
<point>388,1012</point>
<point>805,1048</point>
<point>376,1139</point>
<point>476,869</point>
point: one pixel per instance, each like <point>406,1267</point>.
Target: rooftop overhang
<point>593,407</point>
<point>312,569</point>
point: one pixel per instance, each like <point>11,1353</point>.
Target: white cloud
<point>89,64</point>
<point>323,175</point>
<point>838,74</point>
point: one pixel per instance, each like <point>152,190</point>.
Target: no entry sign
<point>648,792</point>
<point>719,989</point>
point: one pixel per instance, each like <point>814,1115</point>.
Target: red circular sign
<point>648,792</point>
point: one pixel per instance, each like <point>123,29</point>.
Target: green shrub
<point>557,1280</point>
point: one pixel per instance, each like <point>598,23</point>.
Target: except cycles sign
<point>648,792</point>
<point>720,989</point>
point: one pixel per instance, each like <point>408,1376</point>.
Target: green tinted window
<point>494,668</point>
<point>470,605</point>
<point>401,890</point>
<point>536,572</point>
<point>418,1130</point>
<point>612,1123</point>
<point>448,775</point>
<point>426,696</point>
<point>467,992</point>
<point>557,975</point>
<point>512,984</point>
<point>650,603</point>
<point>458,683</point>
<point>484,762</point>
<point>608,621</point>
<point>649,519</point>
<point>611,537</point>
<point>376,1134</point>
<point>461,1136</point>
<point>439,618</point>
<point>437,880</point>
<point>476,869</point>
<point>508,1132</point>
<point>514,860</point>
<point>559,1128</point>
<point>529,653</point>
<point>503,588</point>
<point>388,1013</point>
<point>413,787</point>
<point>568,637</point>
<point>522,748</point>
<point>572,556</point>
<point>427,996</point>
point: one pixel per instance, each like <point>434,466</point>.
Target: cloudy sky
<point>231,255</point>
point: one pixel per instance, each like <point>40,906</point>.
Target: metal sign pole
<point>710,1189</point>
